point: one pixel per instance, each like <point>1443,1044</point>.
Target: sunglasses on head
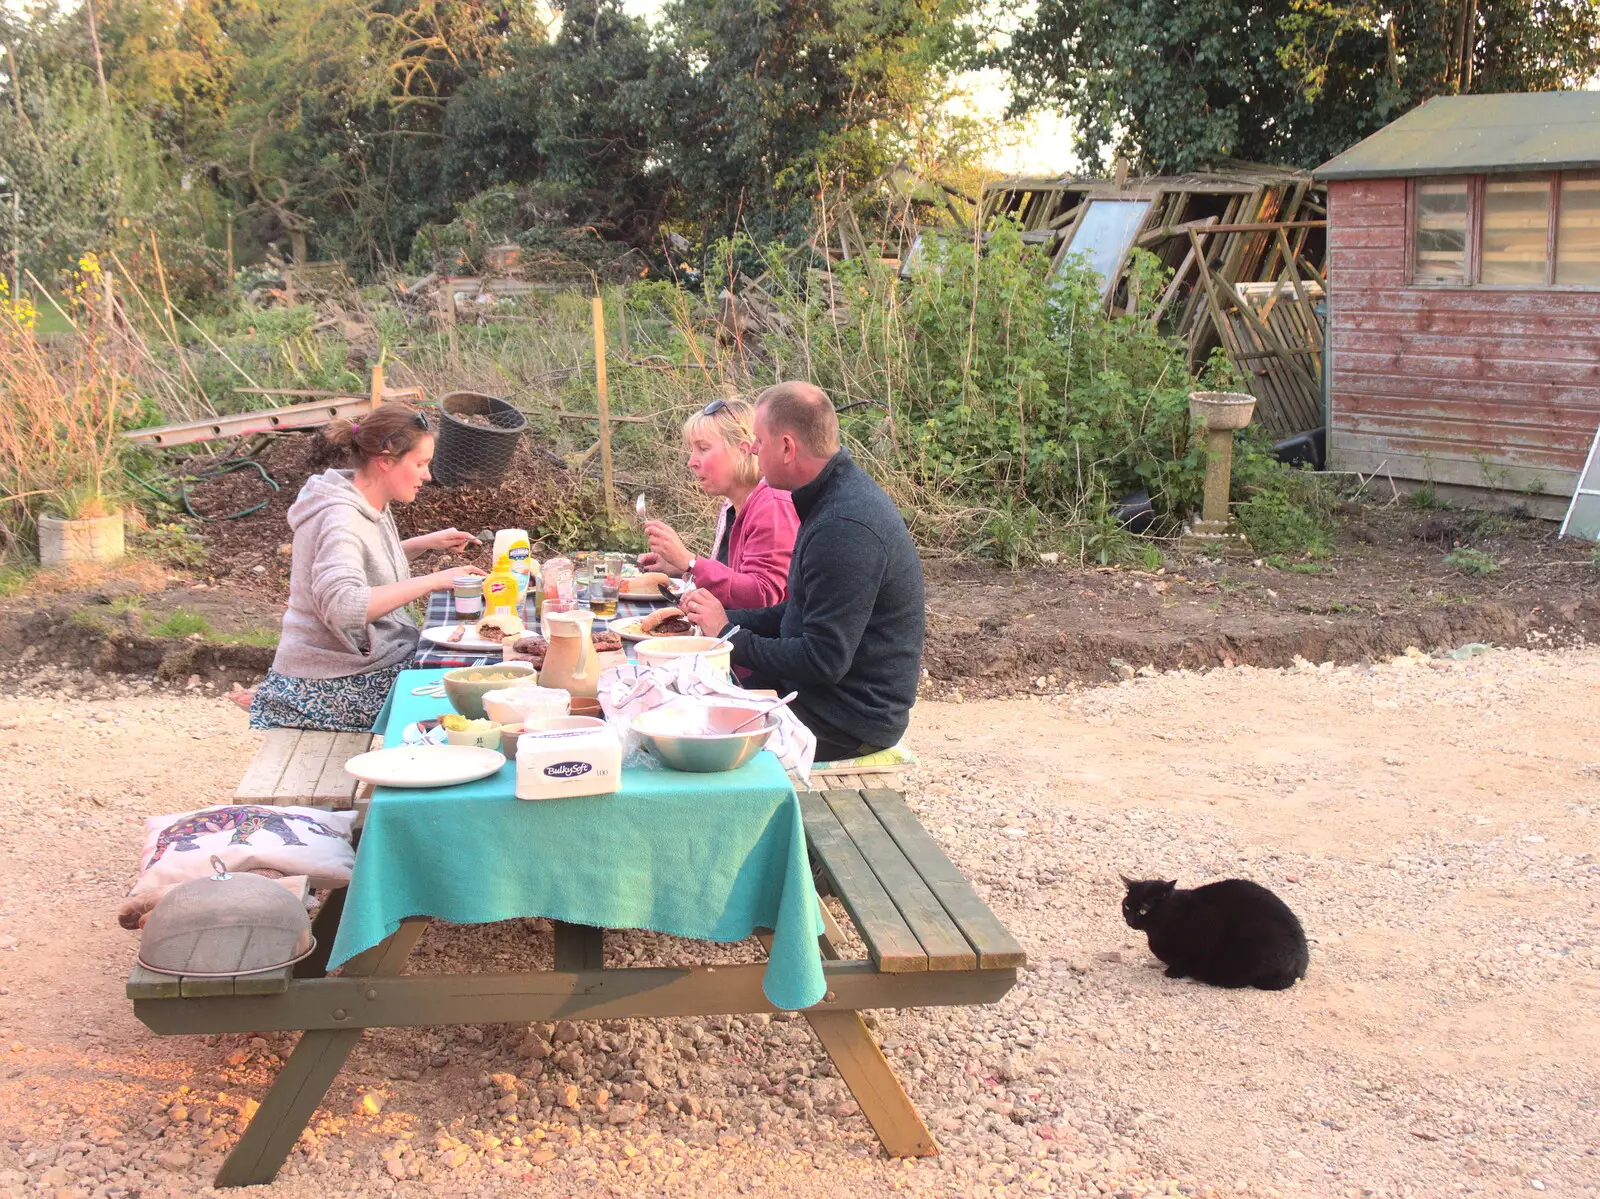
<point>417,419</point>
<point>714,407</point>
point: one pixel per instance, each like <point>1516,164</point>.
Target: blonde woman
<point>748,566</point>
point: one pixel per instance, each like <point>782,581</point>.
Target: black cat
<point>1230,934</point>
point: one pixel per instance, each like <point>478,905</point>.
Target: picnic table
<point>706,857</point>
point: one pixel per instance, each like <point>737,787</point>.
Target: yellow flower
<point>89,264</point>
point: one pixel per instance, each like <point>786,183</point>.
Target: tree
<point>1181,84</point>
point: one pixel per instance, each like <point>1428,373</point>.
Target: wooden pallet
<point>301,766</point>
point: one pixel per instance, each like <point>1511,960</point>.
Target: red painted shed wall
<point>1469,386</point>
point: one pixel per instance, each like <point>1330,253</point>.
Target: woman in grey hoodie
<point>347,633</point>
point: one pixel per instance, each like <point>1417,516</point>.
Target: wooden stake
<point>450,322</point>
<point>166,300</point>
<point>377,385</point>
<point>605,404</point>
<point>230,249</point>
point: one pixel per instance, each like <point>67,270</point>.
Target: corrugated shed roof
<point>1480,134</point>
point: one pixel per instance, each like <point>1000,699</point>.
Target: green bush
<point>1471,561</point>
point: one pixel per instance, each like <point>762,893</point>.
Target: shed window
<point>1578,233</point>
<point>1441,231</point>
<point>1507,231</point>
<point>1516,231</point>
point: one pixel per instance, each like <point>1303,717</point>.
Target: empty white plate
<point>425,765</point>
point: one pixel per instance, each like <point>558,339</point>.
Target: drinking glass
<point>607,583</point>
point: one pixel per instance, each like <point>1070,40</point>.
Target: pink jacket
<point>759,547</point>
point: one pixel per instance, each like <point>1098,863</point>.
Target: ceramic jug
<point>570,662</point>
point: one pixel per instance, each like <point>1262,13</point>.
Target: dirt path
<point>1433,823</point>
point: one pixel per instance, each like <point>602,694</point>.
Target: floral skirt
<point>347,705</point>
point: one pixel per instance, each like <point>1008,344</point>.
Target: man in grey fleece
<point>849,636</point>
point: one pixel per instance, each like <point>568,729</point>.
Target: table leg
<point>307,1075</point>
<point>579,946</point>
<point>848,1041</point>
<point>324,928</point>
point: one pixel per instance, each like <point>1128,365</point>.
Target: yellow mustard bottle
<point>500,590</point>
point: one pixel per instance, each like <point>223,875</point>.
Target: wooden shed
<point>1464,279</point>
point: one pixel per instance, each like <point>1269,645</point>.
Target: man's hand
<point>705,612</point>
<point>670,552</point>
<point>654,562</point>
<point>444,539</point>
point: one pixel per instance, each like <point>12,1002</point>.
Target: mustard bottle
<point>500,590</point>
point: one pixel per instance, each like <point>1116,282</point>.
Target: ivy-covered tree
<point>1180,84</point>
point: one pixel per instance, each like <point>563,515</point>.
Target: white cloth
<point>626,691</point>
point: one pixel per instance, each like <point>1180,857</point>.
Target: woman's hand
<point>444,539</point>
<point>705,612</point>
<point>444,580</point>
<point>654,562</point>
<point>667,547</point>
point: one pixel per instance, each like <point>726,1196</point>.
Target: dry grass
<point>62,406</point>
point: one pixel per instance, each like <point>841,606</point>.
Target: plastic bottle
<point>514,546</point>
<point>501,590</point>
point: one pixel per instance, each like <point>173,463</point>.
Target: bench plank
<point>147,984</point>
<point>946,947</point>
<point>334,783</point>
<point>890,941</point>
<point>266,768</point>
<point>300,776</point>
<point>997,948</point>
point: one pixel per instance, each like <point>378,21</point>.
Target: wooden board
<point>302,766</point>
<point>334,784</point>
<point>941,940</point>
<point>997,949</point>
<point>890,941</point>
<point>266,768</point>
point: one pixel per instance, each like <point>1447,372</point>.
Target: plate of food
<point>663,622</point>
<point>486,635</point>
<point>652,587</point>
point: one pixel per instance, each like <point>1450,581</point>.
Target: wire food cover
<point>475,452</point>
<point>186,933</point>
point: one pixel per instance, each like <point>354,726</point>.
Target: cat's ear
<point>1128,881</point>
<point>1169,888</point>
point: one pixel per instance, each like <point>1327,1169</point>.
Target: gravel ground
<point>1432,822</point>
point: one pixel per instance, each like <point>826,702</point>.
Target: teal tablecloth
<point>711,857</point>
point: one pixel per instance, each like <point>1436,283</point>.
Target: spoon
<point>765,712</point>
<point>724,640</point>
<point>638,506</point>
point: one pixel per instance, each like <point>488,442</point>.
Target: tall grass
<point>62,406</point>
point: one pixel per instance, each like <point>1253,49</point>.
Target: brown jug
<point>570,662</point>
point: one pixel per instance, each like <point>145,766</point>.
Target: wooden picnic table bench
<point>303,767</point>
<point>930,941</point>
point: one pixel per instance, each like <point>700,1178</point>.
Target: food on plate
<point>500,626</point>
<point>668,622</point>
<point>530,647</point>
<point>605,641</point>
<point>457,633</point>
<point>648,583</point>
<point>460,724</point>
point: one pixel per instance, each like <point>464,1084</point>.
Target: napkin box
<point>557,765</point>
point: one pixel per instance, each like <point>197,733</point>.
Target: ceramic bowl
<point>466,686</point>
<point>512,733</point>
<point>698,740</point>
<point>659,651</point>
<point>482,739</point>
<point>514,705</point>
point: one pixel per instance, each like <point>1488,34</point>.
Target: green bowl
<point>466,686</point>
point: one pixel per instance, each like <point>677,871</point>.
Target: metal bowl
<point>696,739</point>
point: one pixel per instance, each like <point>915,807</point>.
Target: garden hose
<point>226,468</point>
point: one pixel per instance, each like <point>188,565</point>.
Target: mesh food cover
<point>225,925</point>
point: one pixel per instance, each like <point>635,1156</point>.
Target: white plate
<point>425,765</point>
<point>628,629</point>
<point>680,588</point>
<point>440,636</point>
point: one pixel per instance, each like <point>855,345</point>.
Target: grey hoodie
<point>343,548</point>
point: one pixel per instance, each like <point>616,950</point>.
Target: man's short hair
<point>806,413</point>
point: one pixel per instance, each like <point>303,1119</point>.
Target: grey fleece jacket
<point>343,548</point>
